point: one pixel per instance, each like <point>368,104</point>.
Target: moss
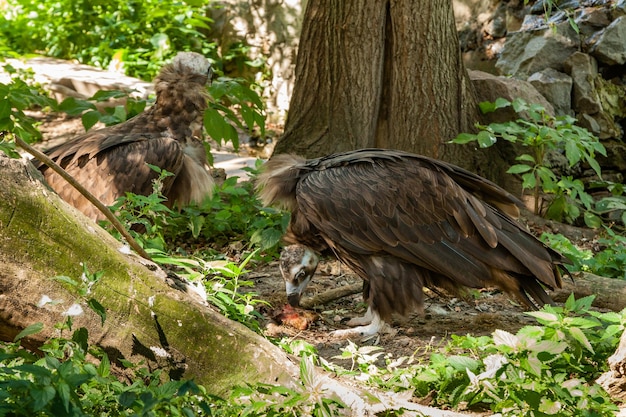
<point>612,96</point>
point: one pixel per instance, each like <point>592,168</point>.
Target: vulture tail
<point>276,184</point>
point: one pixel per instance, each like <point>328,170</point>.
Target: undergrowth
<point>546,369</point>
<point>73,378</point>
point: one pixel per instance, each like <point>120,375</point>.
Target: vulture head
<point>297,266</point>
<point>403,222</point>
<point>115,160</point>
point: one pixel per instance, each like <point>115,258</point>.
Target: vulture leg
<point>361,321</point>
<point>376,324</point>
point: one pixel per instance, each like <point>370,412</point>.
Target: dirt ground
<point>479,314</point>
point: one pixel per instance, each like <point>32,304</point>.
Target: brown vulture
<point>112,161</point>
<point>403,222</point>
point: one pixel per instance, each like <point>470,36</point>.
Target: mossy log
<point>149,316</point>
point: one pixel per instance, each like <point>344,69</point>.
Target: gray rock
<point>591,20</point>
<point>528,52</point>
<point>490,87</point>
<point>583,69</point>
<point>610,47</point>
<point>556,87</point>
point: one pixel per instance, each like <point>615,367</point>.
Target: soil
<point>478,314</point>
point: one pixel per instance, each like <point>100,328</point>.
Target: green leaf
<point>519,169</point>
<point>464,138</point>
<point>90,118</point>
<point>527,158</point>
<point>32,329</point>
<point>81,337</point>
<point>486,139</point>
<point>42,396</point>
<point>104,95</point>
<point>581,338</point>
<point>98,308</point>
<point>544,317</point>
<point>591,220</point>
<point>104,369</point>
<point>461,363</point>
<point>5,109</point>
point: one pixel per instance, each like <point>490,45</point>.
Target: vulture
<point>403,222</point>
<point>112,161</point>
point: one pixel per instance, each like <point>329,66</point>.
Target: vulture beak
<point>297,266</point>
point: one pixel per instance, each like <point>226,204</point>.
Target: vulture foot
<point>361,321</point>
<point>375,324</point>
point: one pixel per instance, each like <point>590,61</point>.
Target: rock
<point>591,20</point>
<point>583,69</point>
<point>490,87</point>
<point>556,87</point>
<point>610,47</point>
<point>531,51</point>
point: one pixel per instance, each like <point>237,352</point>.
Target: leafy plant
<point>541,133</point>
<point>73,378</point>
<point>608,261</point>
<point>224,291</point>
<point>111,115</point>
<point>138,34</point>
<point>307,399</point>
<point>16,97</point>
<point>544,369</point>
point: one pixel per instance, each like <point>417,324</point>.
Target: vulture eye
<point>300,275</point>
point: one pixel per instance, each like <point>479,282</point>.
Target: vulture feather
<point>403,222</point>
<point>114,160</point>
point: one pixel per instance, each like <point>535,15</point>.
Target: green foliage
<point>140,33</point>
<point>64,382</point>
<point>545,369</point>
<point>540,133</point>
<point>609,260</point>
<point>111,115</point>
<point>223,284</point>
<point>16,97</point>
<point>221,122</point>
<point>72,378</point>
<point>307,399</point>
<point>233,213</point>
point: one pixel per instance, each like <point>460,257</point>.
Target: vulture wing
<point>402,221</point>
<point>122,156</point>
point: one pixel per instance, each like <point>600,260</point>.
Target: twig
<point>332,295</point>
<point>104,209</point>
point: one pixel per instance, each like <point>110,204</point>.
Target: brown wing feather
<point>111,173</point>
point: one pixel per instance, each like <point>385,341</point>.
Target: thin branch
<point>104,209</point>
<point>332,295</point>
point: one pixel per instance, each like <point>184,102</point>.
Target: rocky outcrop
<point>574,56</point>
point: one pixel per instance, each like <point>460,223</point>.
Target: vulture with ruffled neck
<point>403,222</point>
<point>114,160</point>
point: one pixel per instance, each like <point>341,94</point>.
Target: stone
<point>583,69</point>
<point>556,87</point>
<point>528,52</point>
<point>610,47</point>
<point>490,87</point>
<point>591,20</point>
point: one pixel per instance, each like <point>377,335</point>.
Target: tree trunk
<point>379,74</point>
<point>150,317</point>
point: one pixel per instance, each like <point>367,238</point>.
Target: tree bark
<point>151,317</point>
<point>380,74</point>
